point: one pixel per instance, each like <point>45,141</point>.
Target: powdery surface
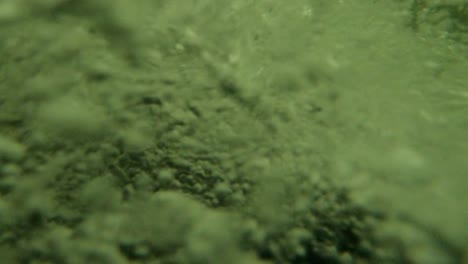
<point>236,132</point>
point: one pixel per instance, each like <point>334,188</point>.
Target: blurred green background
<point>307,131</point>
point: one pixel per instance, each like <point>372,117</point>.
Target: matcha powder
<point>256,132</point>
